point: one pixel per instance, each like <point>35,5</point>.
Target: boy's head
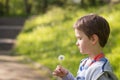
<point>94,24</point>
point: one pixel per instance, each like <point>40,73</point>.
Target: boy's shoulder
<point>98,68</point>
<point>102,65</point>
<point>102,68</point>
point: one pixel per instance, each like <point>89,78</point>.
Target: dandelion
<point>61,58</point>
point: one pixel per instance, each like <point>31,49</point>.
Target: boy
<point>92,32</point>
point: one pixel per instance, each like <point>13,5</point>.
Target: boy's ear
<point>94,39</point>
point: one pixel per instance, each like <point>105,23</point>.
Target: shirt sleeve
<point>69,76</point>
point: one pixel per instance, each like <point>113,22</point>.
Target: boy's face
<point>83,42</point>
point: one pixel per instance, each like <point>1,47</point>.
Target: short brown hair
<point>94,24</point>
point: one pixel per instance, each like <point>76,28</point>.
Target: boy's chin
<point>81,52</point>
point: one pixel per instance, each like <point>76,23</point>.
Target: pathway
<point>11,68</point>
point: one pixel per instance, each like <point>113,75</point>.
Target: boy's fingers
<point>54,73</point>
<point>58,71</point>
<point>64,71</point>
<point>59,66</point>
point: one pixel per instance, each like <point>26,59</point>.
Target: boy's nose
<point>77,43</point>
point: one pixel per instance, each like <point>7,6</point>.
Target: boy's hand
<point>60,71</point>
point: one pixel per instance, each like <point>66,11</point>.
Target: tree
<point>28,7</point>
<point>44,5</point>
<point>1,9</point>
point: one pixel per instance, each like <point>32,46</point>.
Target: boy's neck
<point>95,53</point>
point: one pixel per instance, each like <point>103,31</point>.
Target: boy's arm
<point>69,76</point>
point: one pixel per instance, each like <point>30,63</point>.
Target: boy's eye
<point>79,38</point>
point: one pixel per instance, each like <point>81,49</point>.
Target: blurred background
<point>41,30</point>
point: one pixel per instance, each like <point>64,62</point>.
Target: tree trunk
<point>92,2</point>
<point>44,6</point>
<point>82,3</point>
<point>1,9</point>
<point>7,7</point>
<point>27,7</point>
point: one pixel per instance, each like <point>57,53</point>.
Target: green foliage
<point>54,17</point>
<point>47,36</point>
<point>33,7</point>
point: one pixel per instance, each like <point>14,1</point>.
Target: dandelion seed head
<point>61,57</point>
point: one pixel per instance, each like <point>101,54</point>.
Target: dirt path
<point>11,68</point>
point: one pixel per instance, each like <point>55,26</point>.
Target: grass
<point>47,36</point>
